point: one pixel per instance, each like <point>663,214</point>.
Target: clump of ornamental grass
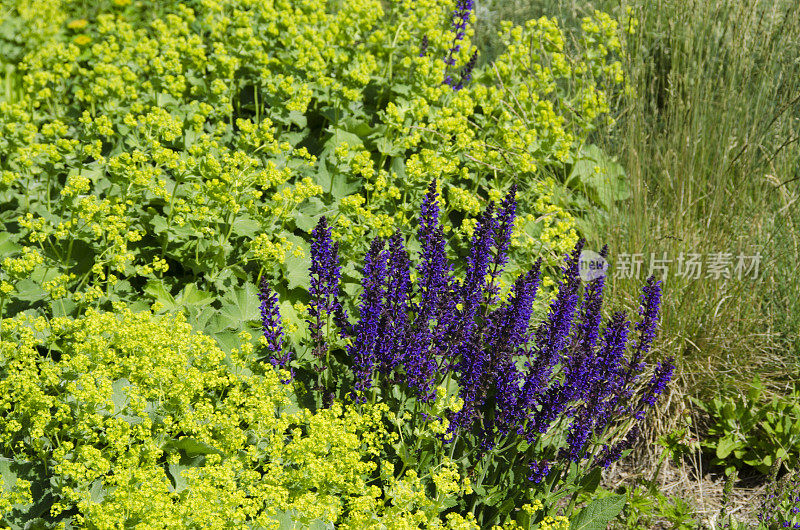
<point>544,408</point>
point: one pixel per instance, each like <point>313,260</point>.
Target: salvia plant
<point>780,504</point>
<point>543,408</point>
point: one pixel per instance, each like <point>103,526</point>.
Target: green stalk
<point>258,109</point>
<point>2,306</point>
<point>171,214</point>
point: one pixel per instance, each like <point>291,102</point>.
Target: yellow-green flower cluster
<point>358,221</point>
<point>515,119</point>
<point>174,434</point>
<point>549,226</point>
<point>18,492</point>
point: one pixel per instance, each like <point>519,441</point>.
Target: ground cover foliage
<point>163,162</point>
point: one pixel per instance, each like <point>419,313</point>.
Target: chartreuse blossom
<point>139,418</point>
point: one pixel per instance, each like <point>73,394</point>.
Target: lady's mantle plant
<point>544,408</point>
<point>135,420</point>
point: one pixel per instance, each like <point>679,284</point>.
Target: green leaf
<point>728,411</point>
<point>39,524</point>
<point>156,289</point>
<point>292,519</point>
<point>599,176</point>
<point>495,495</point>
<point>322,176</point>
<point>480,490</point>
<point>386,147</point>
<point>590,482</point>
<point>701,405</point>
<point>507,506</point>
<point>192,446</point>
<point>725,446</point>
<point>199,317</point>
<point>120,396</point>
<point>398,166</point>
<point>404,90</point>
<point>338,137</point>
<point>289,316</point>
<point>98,492</point>
<point>285,519</point>
<point>295,268</point>
<point>178,481</point>
<point>754,392</point>
<point>449,502</point>
<point>297,118</point>
<point>192,296</point>
<point>7,473</point>
<point>598,513</point>
<point>64,307</point>
<point>21,515</point>
<point>246,227</point>
<point>241,305</point>
<point>342,185</point>
<point>29,290</point>
<point>7,246</point>
<point>227,340</point>
<point>307,214</point>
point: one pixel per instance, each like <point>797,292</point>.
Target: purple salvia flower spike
<point>507,332</point>
<point>422,342</point>
<point>423,48</point>
<point>609,455</point>
<point>588,327</point>
<point>539,471</point>
<point>394,319</point>
<point>503,227</point>
<point>398,293</point>
<point>551,336</point>
<point>434,269</point>
<point>580,365</point>
<point>648,310</point>
<point>472,358</point>
<point>601,388</point>
<point>506,215</point>
<point>271,325</point>
<point>562,309</point>
<point>324,289</point>
<point>460,19</point>
<point>363,348</point>
<point>466,72</point>
<point>478,261</point>
<point>608,370</point>
<point>658,382</point>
